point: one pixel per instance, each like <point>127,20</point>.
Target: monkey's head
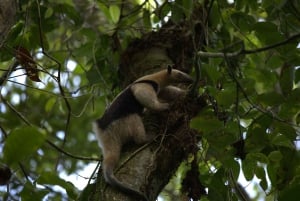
<point>176,76</point>
<point>167,77</point>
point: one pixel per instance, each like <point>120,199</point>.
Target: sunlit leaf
<point>115,12</point>
<point>49,12</point>
<point>50,103</point>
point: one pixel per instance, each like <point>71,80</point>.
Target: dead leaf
<point>25,59</point>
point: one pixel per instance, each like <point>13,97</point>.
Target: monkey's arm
<point>170,93</point>
<point>146,95</point>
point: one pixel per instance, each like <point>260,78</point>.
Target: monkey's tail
<point>114,182</point>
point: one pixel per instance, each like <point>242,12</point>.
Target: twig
<point>58,76</point>
<point>245,95</point>
<point>243,51</point>
<point>239,190</point>
<point>71,155</point>
<point>7,73</point>
<point>15,111</point>
<point>284,42</point>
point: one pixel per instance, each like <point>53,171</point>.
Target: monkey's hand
<point>164,106</point>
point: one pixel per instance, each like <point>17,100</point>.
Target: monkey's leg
<point>139,133</point>
<point>111,155</point>
<point>112,140</point>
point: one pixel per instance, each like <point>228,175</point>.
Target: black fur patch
<point>124,105</point>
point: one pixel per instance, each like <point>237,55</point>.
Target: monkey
<point>122,120</point>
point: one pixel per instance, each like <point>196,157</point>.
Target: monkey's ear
<point>169,69</point>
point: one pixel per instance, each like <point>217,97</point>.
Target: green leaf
<point>177,12</point>
<point>267,32</point>
<point>104,9</point>
<point>21,143</point>
<point>49,12</point>
<point>212,71</point>
<point>243,21</point>
<point>291,193</point>
<point>257,138</point>
<point>258,157</point>
<point>71,12</point>
<point>281,140</point>
<point>272,173</point>
<point>235,168</point>
<point>93,76</point>
<point>227,96</point>
<point>275,61</point>
<point>147,19</point>
<point>263,183</point>
<point>285,129</point>
<point>87,192</point>
<point>294,96</point>
<point>297,75</point>
<point>248,167</point>
<point>286,79</point>
<point>275,156</point>
<point>206,125</point>
<point>51,178</point>
<point>260,172</point>
<point>50,103</point>
<point>187,7</point>
<point>30,192</point>
<point>114,12</point>
<point>217,187</point>
<point>14,37</point>
<point>270,99</point>
<point>164,11</point>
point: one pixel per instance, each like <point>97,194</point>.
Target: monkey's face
<point>177,76</point>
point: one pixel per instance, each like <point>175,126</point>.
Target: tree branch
<point>62,92</point>
<point>243,51</point>
<point>71,155</point>
<point>7,73</point>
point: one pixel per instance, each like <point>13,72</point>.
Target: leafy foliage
<point>250,66</point>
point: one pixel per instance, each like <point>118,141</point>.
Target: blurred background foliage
<point>251,123</point>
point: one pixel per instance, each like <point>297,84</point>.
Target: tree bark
<point>7,17</point>
<point>150,167</point>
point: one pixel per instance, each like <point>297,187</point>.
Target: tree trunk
<point>8,11</point>
<point>150,167</point>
